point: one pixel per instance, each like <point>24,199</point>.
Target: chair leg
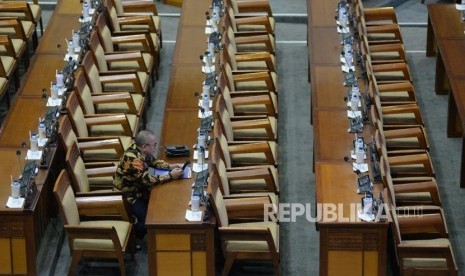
<point>77,254</point>
<point>122,265</point>
<point>230,258</point>
<point>41,27</point>
<point>17,79</point>
<point>26,60</point>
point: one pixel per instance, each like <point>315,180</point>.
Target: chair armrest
<point>404,108</point>
<point>429,187</point>
<point>260,173</point>
<point>117,77</point>
<point>255,20</point>
<point>254,6</point>
<point>255,124</point>
<point>271,110</point>
<point>110,120</point>
<point>257,76</point>
<point>138,20</point>
<point>102,171</point>
<point>256,39</point>
<point>246,207</point>
<point>423,224</point>
<point>139,38</point>
<point>258,56</point>
<point>263,147</point>
<point>249,234</point>
<point>127,56</point>
<point>416,132</point>
<point>102,144</point>
<point>411,159</point>
<point>103,205</point>
<point>116,98</point>
<point>140,6</point>
<point>380,13</point>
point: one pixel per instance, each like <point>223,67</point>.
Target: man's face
<point>149,147</point>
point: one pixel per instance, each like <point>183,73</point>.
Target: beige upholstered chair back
<point>219,168</point>
<point>77,169</point>
<point>112,14</point>
<point>66,133</point>
<point>83,92</point>
<point>216,200</point>
<point>98,52</point>
<point>76,116</point>
<point>104,33</point>
<point>66,200</point>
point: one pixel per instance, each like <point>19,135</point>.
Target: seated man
<point>133,178</point>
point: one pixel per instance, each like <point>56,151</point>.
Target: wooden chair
<point>392,93</point>
<point>247,154</point>
<point>244,241</point>
<point>383,53</point>
<point>258,24</point>
<point>409,139</point>
<point>99,102</point>
<point>395,116</point>
<point>126,41</point>
<point>422,256</point>
<point>139,8</point>
<point>98,125</point>
<point>92,148</point>
<point>263,128</point>
<point>375,16</point>
<point>249,81</point>
<point>114,61</point>
<point>94,238</point>
<point>248,43</point>
<point>248,61</point>
<point>248,103</point>
<point>126,81</point>
<point>244,8</point>
<point>4,92</point>
<point>36,12</point>
<point>22,11</point>
<point>89,177</point>
<point>251,182</point>
<point>379,34</point>
<point>14,47</point>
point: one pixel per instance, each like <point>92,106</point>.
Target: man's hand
<point>176,173</point>
<point>174,166</point>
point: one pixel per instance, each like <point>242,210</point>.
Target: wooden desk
<point>446,39</point>
<point>348,246</point>
<point>21,230</point>
<point>176,246</point>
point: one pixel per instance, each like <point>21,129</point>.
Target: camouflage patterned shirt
<point>132,176</point>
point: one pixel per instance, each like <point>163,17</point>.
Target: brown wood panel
<point>453,57</point>
<point>174,263</point>
<point>41,73</point>
<point>326,45</point>
<point>445,20</point>
<point>194,13</point>
<point>5,259</point>
<point>327,86</point>
<point>191,42</point>
<point>71,7</point>
<point>186,80</point>
<point>18,247</point>
<point>321,13</point>
<point>23,117</point>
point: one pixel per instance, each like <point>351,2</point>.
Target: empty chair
<point>248,61</point>
<point>259,24</point>
<point>22,11</point>
<point>94,238</point>
<point>247,103</point>
<point>249,80</point>
<point>249,43</point>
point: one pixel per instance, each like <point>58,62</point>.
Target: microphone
<point>18,154</point>
<point>357,171</point>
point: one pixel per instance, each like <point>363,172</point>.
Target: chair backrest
<point>83,92</point>
<point>227,55</point>
<point>76,116</point>
<point>66,133</point>
<point>66,201</point>
<point>112,15</point>
<point>13,28</point>
<point>104,33</point>
<point>216,201</point>
<point>97,50</point>
<point>77,169</point>
<point>91,71</point>
<point>224,118</point>
<point>222,143</point>
<point>219,168</point>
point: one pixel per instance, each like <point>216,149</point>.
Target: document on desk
<point>33,155</point>
<point>187,173</point>
<point>193,216</point>
<point>15,202</point>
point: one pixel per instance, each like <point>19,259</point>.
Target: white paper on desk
<point>360,167</point>
<point>353,114</point>
<point>209,105</point>
<point>206,114</point>
<point>91,11</point>
<point>75,57</point>
<point>460,7</point>
<point>346,69</point>
<point>33,155</point>
<point>208,30</point>
<point>77,49</point>
<point>208,69</point>
<point>51,102</point>
<point>196,154</point>
<point>352,154</point>
<point>205,59</point>
<point>193,216</point>
<point>198,168</point>
<point>42,142</point>
<point>15,202</point>
<point>365,217</point>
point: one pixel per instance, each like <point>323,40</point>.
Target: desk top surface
<point>445,20</point>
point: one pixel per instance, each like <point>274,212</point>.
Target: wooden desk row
<point>176,246</point>
<point>446,40</point>
<point>22,229</point>
<point>346,248</point>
